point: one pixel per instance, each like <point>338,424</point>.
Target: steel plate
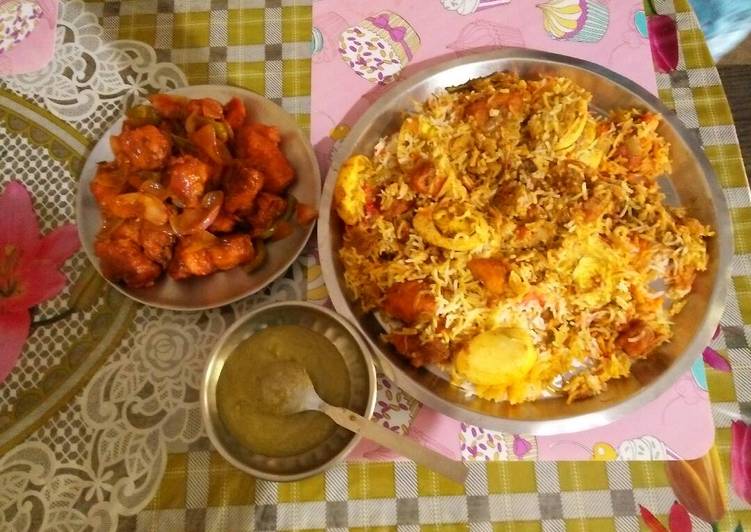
<point>219,288</point>
<point>692,184</point>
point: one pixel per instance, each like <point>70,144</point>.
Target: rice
<point>594,263</point>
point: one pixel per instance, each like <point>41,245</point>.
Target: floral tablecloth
<point>99,421</point>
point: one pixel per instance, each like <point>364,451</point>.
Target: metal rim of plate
<point>621,397</point>
<point>200,293</point>
<point>218,357</point>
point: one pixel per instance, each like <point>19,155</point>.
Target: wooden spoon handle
<point>403,445</point>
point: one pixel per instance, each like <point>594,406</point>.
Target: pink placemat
<point>358,49</point>
<point>27,35</point>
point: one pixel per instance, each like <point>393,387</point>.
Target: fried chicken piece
<point>224,223</point>
<point>231,251</point>
<point>241,186</point>
<point>123,258</point>
<point>418,353</point>
<point>108,182</point>
<point>191,257</point>
<point>137,205</point>
<point>492,273</point>
<point>187,178</point>
<point>409,301</point>
<point>157,242</point>
<point>425,180</point>
<point>260,144</point>
<point>142,148</point>
<point>637,340</point>
<point>269,207</point>
<point>359,239</point>
<point>124,261</point>
<point>202,254</point>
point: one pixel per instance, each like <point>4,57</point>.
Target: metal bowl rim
<point>94,260</point>
<point>561,425</point>
<point>207,419</point>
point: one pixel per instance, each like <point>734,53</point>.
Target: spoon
<point>287,389</point>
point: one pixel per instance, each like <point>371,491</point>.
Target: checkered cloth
<point>264,46</point>
<point>261,46</point>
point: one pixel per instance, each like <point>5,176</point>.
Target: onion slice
<point>199,218</point>
<point>138,205</point>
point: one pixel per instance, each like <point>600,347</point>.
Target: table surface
<point>735,79</point>
<point>99,422</point>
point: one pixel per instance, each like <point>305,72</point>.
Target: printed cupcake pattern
<point>325,38</point>
<point>483,34</point>
<point>18,19</point>
<point>575,20</point>
<point>484,444</point>
<point>467,7</point>
<point>379,47</point>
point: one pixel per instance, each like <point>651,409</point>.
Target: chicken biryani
<point>517,240</point>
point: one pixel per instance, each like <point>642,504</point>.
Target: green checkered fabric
<point>257,45</point>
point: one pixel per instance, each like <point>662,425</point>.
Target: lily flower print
<point>29,269</point>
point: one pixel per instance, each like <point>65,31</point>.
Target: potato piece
<point>500,357</point>
<point>349,193</point>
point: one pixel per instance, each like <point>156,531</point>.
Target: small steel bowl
<point>362,375</point>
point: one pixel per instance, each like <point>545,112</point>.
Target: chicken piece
<point>359,239</point>
<point>269,207</point>
<point>417,352</point>
<point>396,209</point>
<point>108,182</point>
<point>202,254</point>
<point>425,180</point>
<point>191,257</point>
<point>492,273</point>
<point>123,259</point>
<point>157,242</point>
<point>409,301</point>
<point>260,144</point>
<point>637,339</point>
<point>142,148</point>
<point>187,177</point>
<point>241,187</point>
<point>304,213</point>
<point>224,223</point>
<point>169,105</point>
<point>138,205</point>
<point>231,251</point>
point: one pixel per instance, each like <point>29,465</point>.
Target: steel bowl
<point>226,287</point>
<point>362,376</point>
<point>692,184</point>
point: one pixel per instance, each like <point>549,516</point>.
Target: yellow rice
<point>570,201</point>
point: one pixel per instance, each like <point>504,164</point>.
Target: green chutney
<point>238,390</point>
